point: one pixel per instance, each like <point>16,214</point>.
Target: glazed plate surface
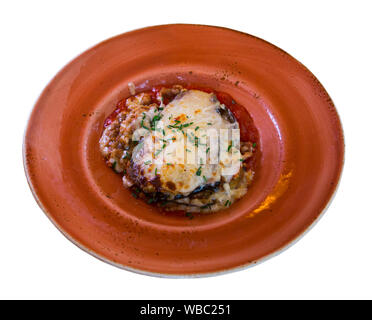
<point>301,151</point>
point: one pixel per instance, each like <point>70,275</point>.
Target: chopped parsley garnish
<point>209,123</point>
<point>227,203</point>
<point>156,171</point>
<point>154,120</point>
<point>147,162</point>
<point>197,128</point>
<point>164,144</point>
<point>196,141</point>
<point>187,124</point>
<point>198,172</point>
<point>142,124</point>
<point>179,126</point>
<point>254,145</point>
<point>205,179</point>
<point>207,150</point>
<point>230,146</point>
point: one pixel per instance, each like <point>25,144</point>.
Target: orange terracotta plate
<point>301,146</point>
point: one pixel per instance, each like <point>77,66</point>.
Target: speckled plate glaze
<point>301,146</point>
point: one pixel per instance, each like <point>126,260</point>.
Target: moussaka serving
<point>181,148</point>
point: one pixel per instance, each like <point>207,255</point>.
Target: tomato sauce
<point>121,106</point>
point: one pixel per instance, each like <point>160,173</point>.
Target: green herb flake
<point>254,145</point>
<point>142,124</point>
<point>198,172</point>
<point>187,125</point>
<point>155,119</point>
<point>196,141</point>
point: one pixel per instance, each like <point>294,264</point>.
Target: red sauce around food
<point>248,131</point>
<point>121,106</point>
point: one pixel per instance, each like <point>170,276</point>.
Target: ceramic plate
<point>301,146</point>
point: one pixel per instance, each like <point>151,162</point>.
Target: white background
<point>332,38</point>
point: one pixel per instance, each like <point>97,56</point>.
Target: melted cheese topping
<point>178,151</point>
